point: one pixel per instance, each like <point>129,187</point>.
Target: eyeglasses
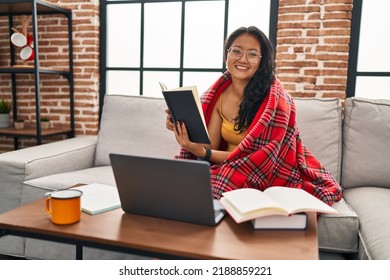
<point>252,56</point>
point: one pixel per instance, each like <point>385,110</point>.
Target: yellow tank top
<point>231,136</point>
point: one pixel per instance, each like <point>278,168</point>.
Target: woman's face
<point>244,67</point>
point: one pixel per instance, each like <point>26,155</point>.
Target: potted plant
<point>5,109</point>
<point>19,124</point>
<point>45,123</point>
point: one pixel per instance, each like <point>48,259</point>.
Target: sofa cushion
<point>320,123</point>
<point>134,125</point>
<point>366,143</point>
<point>36,188</point>
<point>100,174</point>
<point>24,164</point>
<point>374,219</point>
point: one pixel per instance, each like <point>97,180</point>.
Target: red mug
<point>30,40</point>
<point>18,39</point>
<point>27,53</point>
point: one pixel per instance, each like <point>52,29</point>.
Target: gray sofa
<point>352,147</point>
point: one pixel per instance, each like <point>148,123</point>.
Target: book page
<point>99,198</point>
<point>297,221</point>
<point>298,200</point>
<point>163,86</point>
<point>249,200</point>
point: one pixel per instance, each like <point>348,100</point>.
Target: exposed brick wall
<point>53,50</point>
<point>313,45</point>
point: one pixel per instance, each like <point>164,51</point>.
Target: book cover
<point>99,198</point>
<point>247,204</point>
<point>295,221</point>
<point>184,105</point>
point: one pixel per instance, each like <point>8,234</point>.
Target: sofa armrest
<point>29,163</point>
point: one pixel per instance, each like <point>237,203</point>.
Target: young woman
<point>251,121</point>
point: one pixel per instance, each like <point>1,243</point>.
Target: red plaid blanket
<point>272,153</point>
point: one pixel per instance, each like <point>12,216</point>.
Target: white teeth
<point>242,67</point>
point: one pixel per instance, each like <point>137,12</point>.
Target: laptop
<point>166,188</point>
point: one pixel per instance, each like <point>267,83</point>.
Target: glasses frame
<point>259,56</point>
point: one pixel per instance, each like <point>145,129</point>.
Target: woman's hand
<point>168,121</point>
<point>182,138</point>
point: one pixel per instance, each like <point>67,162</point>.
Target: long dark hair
<point>258,86</point>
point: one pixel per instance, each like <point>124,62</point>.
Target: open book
<point>184,105</point>
<point>248,204</point>
<point>98,198</point>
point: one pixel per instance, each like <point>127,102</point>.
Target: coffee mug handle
<point>48,208</point>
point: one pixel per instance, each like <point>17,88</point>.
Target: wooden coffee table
<point>163,238</point>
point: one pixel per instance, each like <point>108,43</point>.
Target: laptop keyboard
<point>217,212</point>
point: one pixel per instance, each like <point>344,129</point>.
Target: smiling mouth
<point>240,67</point>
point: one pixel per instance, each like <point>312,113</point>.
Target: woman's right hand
<point>183,140</point>
<point>181,135</point>
<point>169,122</point>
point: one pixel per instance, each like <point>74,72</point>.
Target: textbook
<point>98,198</point>
<point>184,105</point>
<point>248,204</point>
<point>295,221</point>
